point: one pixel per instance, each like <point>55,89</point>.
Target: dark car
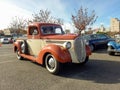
<point>97,41</point>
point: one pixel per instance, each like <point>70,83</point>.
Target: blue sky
<point>105,9</point>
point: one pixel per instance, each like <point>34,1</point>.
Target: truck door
<point>34,42</point>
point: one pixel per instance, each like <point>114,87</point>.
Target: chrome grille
<point>79,47</point>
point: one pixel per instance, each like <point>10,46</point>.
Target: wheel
<point>24,47</point>
<point>110,52</point>
<point>52,65</point>
<point>86,60</point>
<point>92,48</point>
<point>18,55</point>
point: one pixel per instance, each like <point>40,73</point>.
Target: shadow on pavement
<point>98,71</point>
<point>103,51</point>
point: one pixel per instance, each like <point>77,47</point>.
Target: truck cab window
<point>33,31</point>
<point>51,30</point>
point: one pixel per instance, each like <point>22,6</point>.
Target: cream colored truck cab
<point>47,44</point>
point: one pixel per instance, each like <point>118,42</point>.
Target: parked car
<point>9,37</point>
<point>97,41</point>
<point>117,37</point>
<point>5,40</point>
<point>113,47</point>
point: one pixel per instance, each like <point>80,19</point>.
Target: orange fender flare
<point>60,53</point>
<point>16,46</point>
<point>88,51</point>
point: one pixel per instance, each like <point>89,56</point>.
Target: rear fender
<point>17,46</point>
<point>61,54</point>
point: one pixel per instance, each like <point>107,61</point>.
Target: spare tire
<point>24,47</point>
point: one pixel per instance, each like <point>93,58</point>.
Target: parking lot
<point>102,72</point>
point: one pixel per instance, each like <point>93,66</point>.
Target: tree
<point>1,33</point>
<point>44,16</point>
<point>17,25</point>
<point>82,19</point>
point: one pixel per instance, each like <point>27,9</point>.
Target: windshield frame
<point>45,30</point>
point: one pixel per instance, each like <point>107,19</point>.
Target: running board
<point>28,57</point>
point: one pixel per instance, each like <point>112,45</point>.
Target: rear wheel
<point>18,55</point>
<point>52,65</point>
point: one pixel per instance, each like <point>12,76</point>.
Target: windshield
<point>46,30</point>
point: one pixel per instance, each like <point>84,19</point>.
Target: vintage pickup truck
<point>48,45</point>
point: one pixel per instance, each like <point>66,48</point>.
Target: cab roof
<point>39,23</point>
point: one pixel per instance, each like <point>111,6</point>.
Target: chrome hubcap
<point>18,54</point>
<point>51,62</point>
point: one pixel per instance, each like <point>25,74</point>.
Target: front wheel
<point>52,65</point>
<point>86,60</point>
<point>110,52</point>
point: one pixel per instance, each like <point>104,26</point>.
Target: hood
<point>61,37</point>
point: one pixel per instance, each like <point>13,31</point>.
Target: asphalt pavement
<point>102,72</point>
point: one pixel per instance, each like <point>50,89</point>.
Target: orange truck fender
<point>88,51</point>
<point>17,46</point>
<point>61,54</point>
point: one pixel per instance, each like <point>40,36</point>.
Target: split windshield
<point>46,30</point>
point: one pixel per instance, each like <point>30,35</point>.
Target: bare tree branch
<point>17,24</point>
<point>44,16</point>
<point>82,19</point>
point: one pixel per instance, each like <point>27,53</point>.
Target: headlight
<point>67,45</point>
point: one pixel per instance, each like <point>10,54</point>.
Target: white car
<point>4,40</point>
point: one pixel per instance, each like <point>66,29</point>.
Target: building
<point>115,25</point>
<point>7,32</point>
